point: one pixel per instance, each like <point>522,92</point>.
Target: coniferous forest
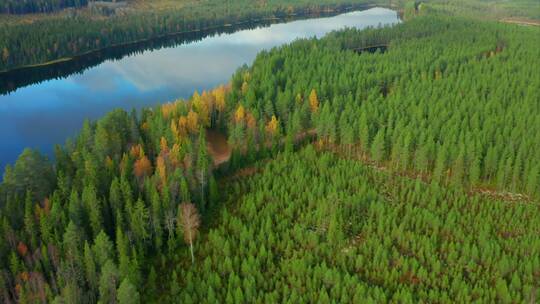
<point>393,164</point>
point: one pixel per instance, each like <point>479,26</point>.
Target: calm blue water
<point>42,115</point>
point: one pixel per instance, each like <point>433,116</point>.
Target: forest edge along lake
<point>48,104</point>
<point>19,77</point>
<point>204,32</point>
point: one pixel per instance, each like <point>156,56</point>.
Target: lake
<point>47,105</point>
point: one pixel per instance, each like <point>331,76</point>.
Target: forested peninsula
<point>404,173</point>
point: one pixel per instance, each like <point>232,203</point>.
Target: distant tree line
<point>54,37</point>
<point>17,78</point>
<point>37,6</point>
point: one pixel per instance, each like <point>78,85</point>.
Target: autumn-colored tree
<point>195,98</point>
<point>182,126</point>
<point>142,167</point>
<point>175,156</point>
<point>193,121</point>
<point>22,249</point>
<point>189,220</point>
<point>201,107</point>
<point>240,114</point>
<point>164,147</point>
<point>219,95</point>
<point>161,169</point>
<point>205,108</point>
<point>272,126</point>
<point>313,101</point>
<point>208,98</point>
<point>136,151</point>
<point>174,129</point>
<point>168,109</point>
<point>24,276</point>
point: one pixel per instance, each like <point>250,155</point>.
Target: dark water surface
<point>49,104</point>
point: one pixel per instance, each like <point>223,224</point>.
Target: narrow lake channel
<point>41,107</point>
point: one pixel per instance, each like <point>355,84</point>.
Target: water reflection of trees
<point>12,80</point>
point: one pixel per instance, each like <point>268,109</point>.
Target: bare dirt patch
<point>521,21</point>
<point>218,147</point>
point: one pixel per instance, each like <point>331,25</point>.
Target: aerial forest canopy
<point>404,173</point>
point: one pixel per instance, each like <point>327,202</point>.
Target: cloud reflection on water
<point>47,113</point>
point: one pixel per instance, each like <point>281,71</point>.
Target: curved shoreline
<point>306,13</point>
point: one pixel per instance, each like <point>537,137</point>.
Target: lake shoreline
<point>142,75</point>
<point>307,13</point>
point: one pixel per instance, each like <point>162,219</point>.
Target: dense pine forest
<point>312,227</point>
<point>392,164</point>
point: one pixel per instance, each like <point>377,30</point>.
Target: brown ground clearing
<point>220,151</point>
<point>521,21</point>
<point>218,147</point>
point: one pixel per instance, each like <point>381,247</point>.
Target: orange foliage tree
<point>22,249</point>
<point>168,109</point>
<point>175,156</point>
<point>142,167</point>
<point>164,147</point>
<point>182,126</point>
<point>136,151</point>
